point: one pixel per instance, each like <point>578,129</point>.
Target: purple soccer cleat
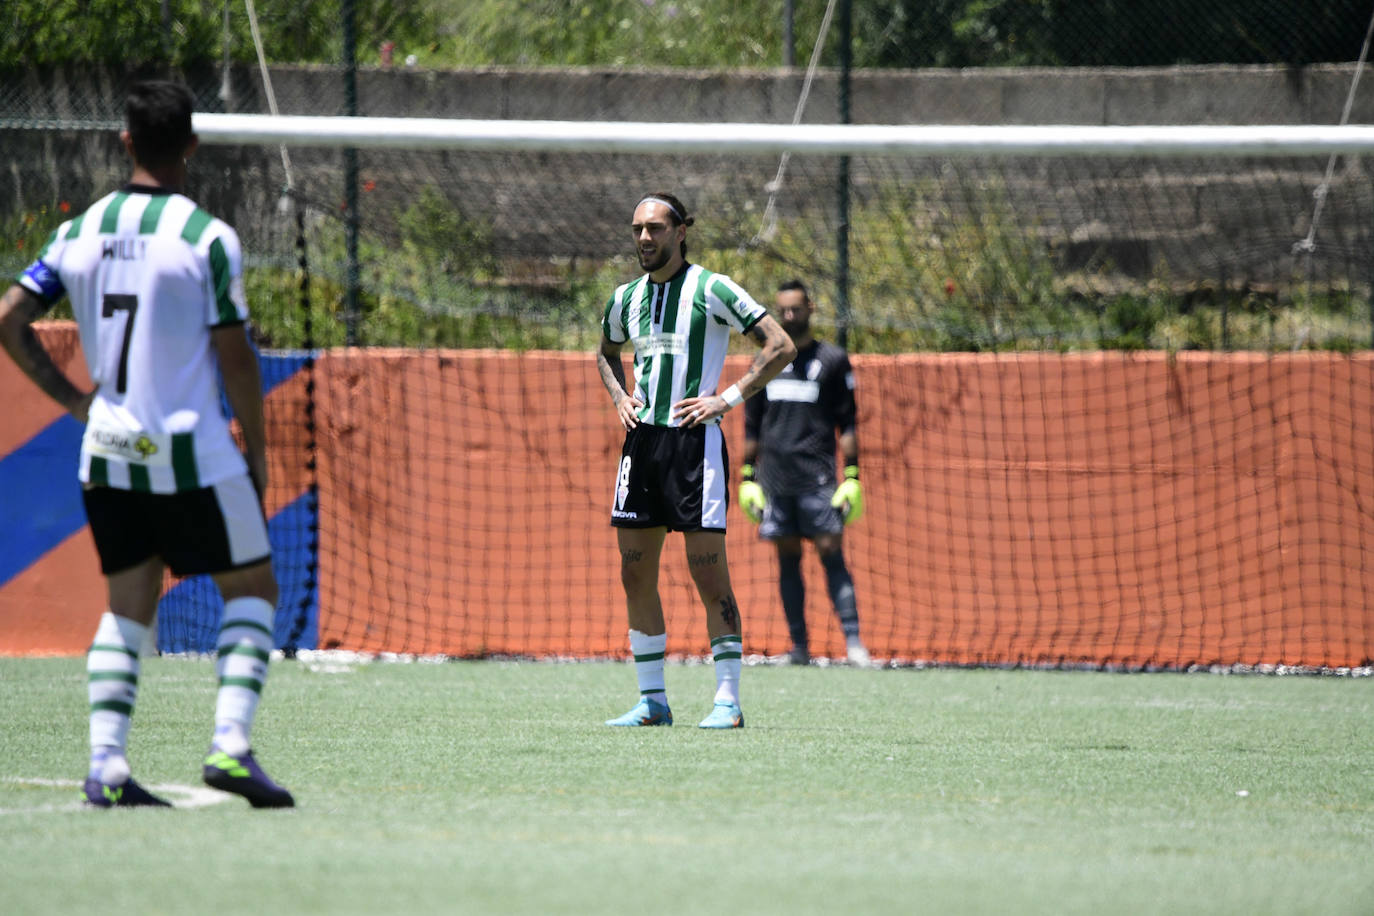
<point>129,794</point>
<point>241,775</point>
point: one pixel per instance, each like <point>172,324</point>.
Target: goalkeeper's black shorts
<point>673,477</point>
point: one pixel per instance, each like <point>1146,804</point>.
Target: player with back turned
<point>155,284</point>
<point>789,471</point>
<point>674,473</point>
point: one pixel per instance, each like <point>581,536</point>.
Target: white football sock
<point>648,652</point>
<point>112,688</point>
<point>728,652</point>
<point>245,646</point>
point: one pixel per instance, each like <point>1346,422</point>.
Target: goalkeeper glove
<point>849,496</point>
<point>751,496</point>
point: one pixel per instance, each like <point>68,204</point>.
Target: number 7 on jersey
<point>121,302</point>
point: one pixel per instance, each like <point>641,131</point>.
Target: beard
<point>653,262</point>
<point>796,328</point>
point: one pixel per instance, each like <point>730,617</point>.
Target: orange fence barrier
<point>1101,509</point>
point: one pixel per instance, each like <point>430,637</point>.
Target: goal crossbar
<point>820,139</point>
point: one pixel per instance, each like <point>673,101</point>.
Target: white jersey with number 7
<point>149,274</point>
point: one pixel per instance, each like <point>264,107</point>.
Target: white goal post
<point>821,139</point>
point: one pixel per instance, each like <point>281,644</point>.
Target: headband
<point>660,200</point>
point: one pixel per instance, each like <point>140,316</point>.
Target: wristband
<point>851,472</point>
<point>746,472</point>
<point>732,396</point>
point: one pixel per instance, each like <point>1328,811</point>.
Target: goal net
<point>1114,384</point>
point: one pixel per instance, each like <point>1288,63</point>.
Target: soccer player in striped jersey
<point>789,432</point>
<point>673,469</point>
<point>156,286</point>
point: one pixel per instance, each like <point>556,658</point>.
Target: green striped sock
<point>112,680</point>
<point>728,652</point>
<point>244,647</point>
<point>648,652</point>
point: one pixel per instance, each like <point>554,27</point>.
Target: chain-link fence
<point>941,253</point>
<point>383,512</point>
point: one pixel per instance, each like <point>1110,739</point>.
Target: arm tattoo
<point>612,375</point>
<point>746,381</point>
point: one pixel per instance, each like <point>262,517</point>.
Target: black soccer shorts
<point>210,530</point>
<point>805,514</point>
<point>672,476</point>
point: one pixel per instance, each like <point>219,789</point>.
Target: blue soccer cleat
<point>724,715</point>
<point>128,794</point>
<point>241,775</point>
<point>646,712</point>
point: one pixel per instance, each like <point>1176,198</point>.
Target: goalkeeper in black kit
<point>789,483</point>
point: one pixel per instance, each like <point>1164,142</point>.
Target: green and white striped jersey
<point>680,331</point>
<point>149,274</point>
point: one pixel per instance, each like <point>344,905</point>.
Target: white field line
<point>179,795</point>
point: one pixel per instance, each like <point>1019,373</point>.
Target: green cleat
<point>646,712</point>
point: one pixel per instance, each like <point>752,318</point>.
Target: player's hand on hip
<point>752,500</point>
<point>627,409</point>
<point>849,499</point>
<point>696,411</point>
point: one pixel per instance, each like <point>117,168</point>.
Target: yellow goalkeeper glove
<point>751,496</point>
<point>849,496</point>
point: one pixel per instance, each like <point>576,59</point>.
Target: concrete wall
<point>1174,95</point>
<point>1200,221</point>
<point>1183,95</point>
<point>1153,95</point>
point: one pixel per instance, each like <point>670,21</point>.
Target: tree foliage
<point>686,33</point>
<point>1081,33</point>
<point>193,33</point>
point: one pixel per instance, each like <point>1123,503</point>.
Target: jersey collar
<point>132,188</point>
<point>686,266</point>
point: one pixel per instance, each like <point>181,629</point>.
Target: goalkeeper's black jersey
<point>796,417</point>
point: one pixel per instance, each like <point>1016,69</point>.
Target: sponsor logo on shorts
<point>618,513</point>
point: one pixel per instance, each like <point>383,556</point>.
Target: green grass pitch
<point>493,787</point>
